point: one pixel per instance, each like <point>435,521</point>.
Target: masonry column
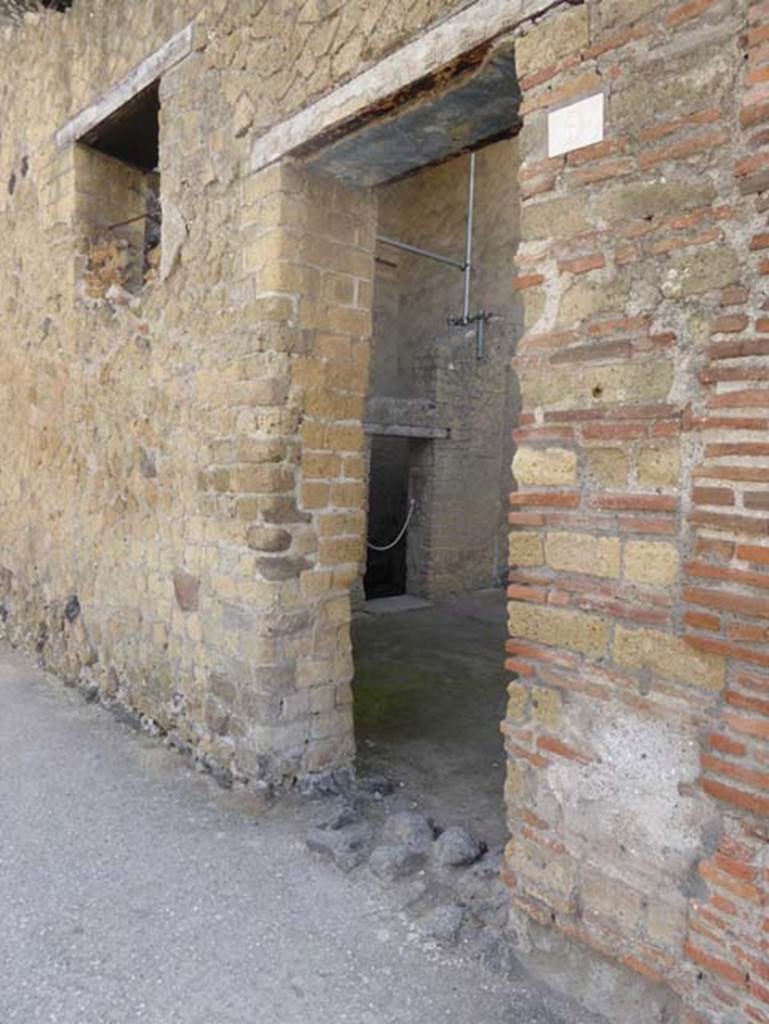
<point>309,243</point>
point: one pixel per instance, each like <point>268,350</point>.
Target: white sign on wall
<point>580,124</point>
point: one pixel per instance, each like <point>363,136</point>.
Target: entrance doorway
<point>428,627</point>
<point>428,632</point>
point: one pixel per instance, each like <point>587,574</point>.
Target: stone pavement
<point>134,889</point>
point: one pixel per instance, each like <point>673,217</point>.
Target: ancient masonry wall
<point>178,534</point>
<point>183,492</point>
<point>638,723</point>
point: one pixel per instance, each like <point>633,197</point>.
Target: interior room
<point>429,618</point>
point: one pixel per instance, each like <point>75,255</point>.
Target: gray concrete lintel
<point>473,27</point>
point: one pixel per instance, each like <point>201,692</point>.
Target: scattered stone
<point>338,814</point>
<point>377,785</point>
<point>443,923</point>
<point>496,950</point>
<point>321,784</point>
<point>395,860</point>
<point>410,829</point>
<point>456,847</point>
<point>126,716</point>
<point>90,692</point>
<point>490,867</point>
<point>411,893</point>
<point>346,846</point>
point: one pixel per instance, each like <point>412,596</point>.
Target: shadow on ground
<point>429,695</point>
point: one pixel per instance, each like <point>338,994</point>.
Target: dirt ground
<point>133,888</point>
<point>429,696</point>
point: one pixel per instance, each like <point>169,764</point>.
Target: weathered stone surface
<point>675,86</point>
<point>567,212</point>
<point>651,199</point>
<point>443,924</point>
<point>547,707</point>
<point>345,846</point>
<point>456,847</point>
<point>546,467</point>
<point>577,631</point>
<point>268,538</point>
<point>406,828</point>
<point>583,553</point>
<point>548,43</point>
<point>395,860</point>
<point>654,563</point>
<point>587,298</point>
<point>613,13</point>
<point>701,271</point>
<point>595,386</point>
<point>525,549</point>
<point>609,466</point>
<point>187,590</point>
<point>668,656</point>
<point>659,465</point>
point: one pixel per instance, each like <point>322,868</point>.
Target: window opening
<point>119,196</point>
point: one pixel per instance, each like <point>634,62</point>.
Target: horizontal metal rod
<point>133,220</point>
<point>420,252</point>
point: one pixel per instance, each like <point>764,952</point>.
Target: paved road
<point>132,889</point>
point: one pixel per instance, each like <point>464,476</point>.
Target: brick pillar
<point>295,464</point>
<point>726,577</point>
<point>636,726</point>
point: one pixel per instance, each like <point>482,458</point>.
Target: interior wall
<point>457,540</point>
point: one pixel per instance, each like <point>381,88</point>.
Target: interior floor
<point>429,696</point>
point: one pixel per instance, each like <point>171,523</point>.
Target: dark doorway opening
<point>389,502</point>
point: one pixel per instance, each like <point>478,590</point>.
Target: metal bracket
<point>480,320</point>
<point>466,266</point>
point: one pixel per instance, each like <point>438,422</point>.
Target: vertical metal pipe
<point>480,335</point>
<point>469,234</point>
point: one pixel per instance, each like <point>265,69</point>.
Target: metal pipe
<point>420,252</point>
<point>480,328</point>
<point>469,234</point>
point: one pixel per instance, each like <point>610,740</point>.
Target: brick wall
<point>636,728</point>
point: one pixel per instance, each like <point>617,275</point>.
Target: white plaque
<point>580,124</point>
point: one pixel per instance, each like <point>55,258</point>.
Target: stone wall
<point>183,490</point>
<point>637,725</point>
<point>152,547</point>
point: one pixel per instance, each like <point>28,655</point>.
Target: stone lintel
<point>139,78</point>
